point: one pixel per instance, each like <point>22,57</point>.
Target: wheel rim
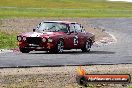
<point>60,47</point>
<point>88,46</point>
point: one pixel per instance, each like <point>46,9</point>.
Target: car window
<point>52,27</point>
<point>62,28</point>
<point>72,27</point>
<point>78,28</point>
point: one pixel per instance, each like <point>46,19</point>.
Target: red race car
<point>56,36</point>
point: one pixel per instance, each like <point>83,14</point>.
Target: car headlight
<point>19,38</point>
<point>50,40</point>
<point>24,38</point>
<point>43,39</point>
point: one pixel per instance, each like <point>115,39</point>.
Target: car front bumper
<point>45,47</point>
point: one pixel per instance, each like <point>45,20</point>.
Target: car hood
<point>44,34</point>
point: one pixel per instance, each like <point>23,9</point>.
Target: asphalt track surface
<point>117,53</point>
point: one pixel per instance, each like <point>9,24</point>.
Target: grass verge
<point>64,8</point>
<point>7,40</point>
<point>57,12</point>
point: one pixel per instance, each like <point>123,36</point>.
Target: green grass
<point>64,8</point>
<point>63,4</point>
<point>130,86</point>
<point>23,12</point>
<point>7,40</point>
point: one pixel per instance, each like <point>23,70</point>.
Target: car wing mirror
<point>68,33</point>
<point>34,30</point>
<point>71,31</point>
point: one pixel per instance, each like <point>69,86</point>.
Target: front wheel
<point>23,50</point>
<point>59,47</point>
<point>86,47</point>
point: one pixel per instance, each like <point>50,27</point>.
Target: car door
<point>71,38</point>
<point>80,35</point>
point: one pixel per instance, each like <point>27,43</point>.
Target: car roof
<point>66,22</point>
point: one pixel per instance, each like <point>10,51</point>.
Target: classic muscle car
<point>56,36</point>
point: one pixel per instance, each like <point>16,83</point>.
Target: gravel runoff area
<point>58,77</point>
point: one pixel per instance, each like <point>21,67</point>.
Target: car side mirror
<point>34,30</point>
<point>71,31</point>
<point>68,33</point>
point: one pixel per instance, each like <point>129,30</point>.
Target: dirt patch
<point>56,77</point>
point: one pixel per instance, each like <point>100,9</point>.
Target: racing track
<point>120,52</point>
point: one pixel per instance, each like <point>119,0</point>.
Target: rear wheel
<point>59,47</point>
<point>87,46</point>
<point>23,50</point>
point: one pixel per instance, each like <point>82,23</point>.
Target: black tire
<point>23,50</point>
<point>87,46</point>
<point>59,47</point>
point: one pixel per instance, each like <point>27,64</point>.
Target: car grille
<point>34,40</point>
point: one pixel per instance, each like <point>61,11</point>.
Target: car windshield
<point>51,27</point>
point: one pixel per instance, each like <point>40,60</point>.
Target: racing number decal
<point>75,39</point>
